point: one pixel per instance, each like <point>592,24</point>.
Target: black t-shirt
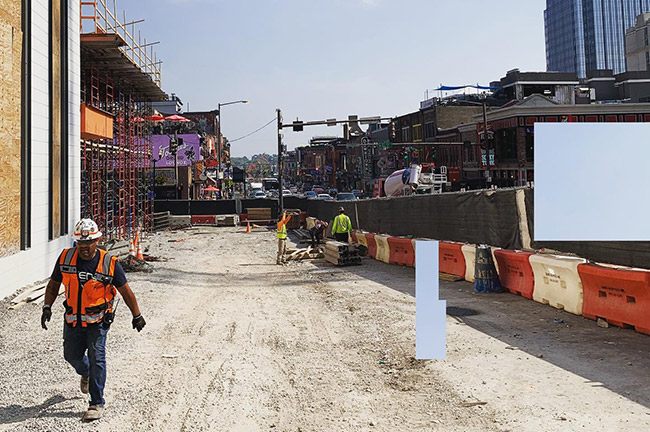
<point>86,270</point>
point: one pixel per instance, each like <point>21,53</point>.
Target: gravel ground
<point>235,343</point>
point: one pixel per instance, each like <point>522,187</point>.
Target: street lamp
<point>220,141</point>
<point>154,160</point>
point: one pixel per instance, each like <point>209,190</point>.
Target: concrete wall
<point>36,263</point>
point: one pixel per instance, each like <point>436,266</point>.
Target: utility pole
<point>219,144</point>
<point>176,161</point>
<point>280,198</point>
<point>485,143</point>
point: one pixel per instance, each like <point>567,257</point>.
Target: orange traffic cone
<point>248,227</point>
<point>140,255</point>
<point>131,248</point>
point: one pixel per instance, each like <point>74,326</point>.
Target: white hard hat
<point>86,229</point>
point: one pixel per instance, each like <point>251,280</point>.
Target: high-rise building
<point>584,35</point>
<point>637,45</point>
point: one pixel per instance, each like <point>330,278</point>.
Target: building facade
<point>637,45</point>
<point>39,136</point>
<point>584,35</point>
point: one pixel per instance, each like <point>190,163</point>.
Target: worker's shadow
<point>17,413</point>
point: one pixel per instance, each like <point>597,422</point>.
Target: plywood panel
<point>55,115</point>
<point>10,109</point>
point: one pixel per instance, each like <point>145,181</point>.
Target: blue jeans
<point>76,340</point>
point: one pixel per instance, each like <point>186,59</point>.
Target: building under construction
<point>120,78</point>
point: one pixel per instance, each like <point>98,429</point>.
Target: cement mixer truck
<point>412,180</point>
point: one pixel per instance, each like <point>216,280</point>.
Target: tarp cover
<point>477,217</point>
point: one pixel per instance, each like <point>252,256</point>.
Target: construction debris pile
<point>342,254</point>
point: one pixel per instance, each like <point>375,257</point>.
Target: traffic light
<point>391,128</point>
<point>297,126</point>
<point>173,146</point>
<point>180,142</point>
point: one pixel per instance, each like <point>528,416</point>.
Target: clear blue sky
<point>324,59</point>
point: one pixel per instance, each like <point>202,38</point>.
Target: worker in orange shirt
<point>282,237</point>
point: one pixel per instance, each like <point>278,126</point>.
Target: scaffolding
<point>120,80</point>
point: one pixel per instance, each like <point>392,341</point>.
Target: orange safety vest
<point>88,303</point>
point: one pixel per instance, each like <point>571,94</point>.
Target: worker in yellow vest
<point>282,237</point>
<point>342,226</point>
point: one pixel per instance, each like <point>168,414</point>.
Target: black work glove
<point>138,322</point>
<point>45,317</point>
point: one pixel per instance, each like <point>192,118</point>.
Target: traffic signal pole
<point>280,197</point>
<point>298,126</point>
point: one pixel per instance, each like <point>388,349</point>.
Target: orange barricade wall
<point>515,272</point>
<point>383,252</point>
<point>620,295</point>
<point>451,259</point>
<point>361,238</point>
<point>469,252</point>
<point>401,251</point>
<point>372,245</point>
<point>557,282</point>
<point>203,220</point>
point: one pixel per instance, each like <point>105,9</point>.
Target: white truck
<point>412,180</point>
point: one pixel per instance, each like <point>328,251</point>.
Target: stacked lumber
<point>32,295</point>
<point>303,254</point>
<point>342,254</point>
<point>259,214</point>
<point>294,222</point>
<point>228,220</point>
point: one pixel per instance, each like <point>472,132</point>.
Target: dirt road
<point>235,343</point>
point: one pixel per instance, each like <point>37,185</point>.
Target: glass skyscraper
<point>584,35</point>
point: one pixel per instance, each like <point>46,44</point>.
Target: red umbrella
<point>156,117</point>
<point>211,189</point>
<point>177,118</point>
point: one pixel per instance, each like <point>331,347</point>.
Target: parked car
<point>273,193</point>
<point>324,196</point>
<point>357,193</point>
<point>286,192</point>
<point>259,194</point>
<point>345,196</point>
<point>293,189</point>
<point>311,194</point>
<point>333,192</point>
<point>318,189</point>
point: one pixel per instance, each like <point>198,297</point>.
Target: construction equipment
<point>412,180</point>
<point>342,254</point>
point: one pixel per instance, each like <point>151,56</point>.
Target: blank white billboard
<point>592,181</point>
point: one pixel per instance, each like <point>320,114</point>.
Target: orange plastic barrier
<point>620,295</point>
<point>203,220</point>
<point>515,272</point>
<point>451,259</point>
<point>361,238</point>
<point>354,237</point>
<point>401,251</point>
<point>372,245</point>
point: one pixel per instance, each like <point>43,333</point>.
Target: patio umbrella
<point>177,118</point>
<point>156,117</point>
<point>211,189</point>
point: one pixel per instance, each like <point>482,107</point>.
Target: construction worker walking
<point>282,237</point>
<point>342,226</point>
<point>90,276</point>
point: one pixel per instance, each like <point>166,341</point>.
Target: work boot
<point>85,382</point>
<point>94,413</point>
